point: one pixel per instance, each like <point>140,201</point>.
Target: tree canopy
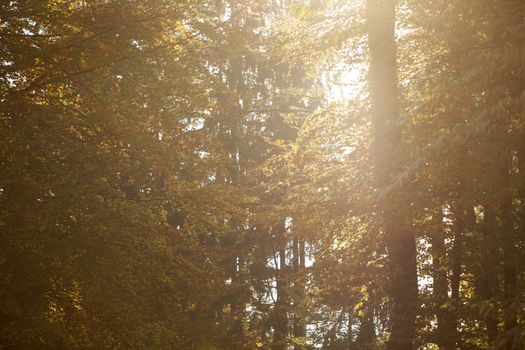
<point>262,174</point>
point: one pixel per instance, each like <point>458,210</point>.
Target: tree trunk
<point>445,335</point>
<point>399,238</point>
<point>508,238</point>
<point>489,274</point>
<point>455,279</point>
<point>281,305</point>
<point>299,326</point>
<point>509,233</point>
<point>457,249</point>
<point>349,332</point>
<point>237,305</point>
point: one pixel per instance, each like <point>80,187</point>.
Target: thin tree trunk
<point>281,305</point>
<point>488,274</point>
<point>455,278</point>
<point>349,332</point>
<point>237,305</point>
<point>510,318</point>
<point>299,326</point>
<point>445,335</point>
<point>510,235</point>
<point>457,250</point>
<point>399,237</point>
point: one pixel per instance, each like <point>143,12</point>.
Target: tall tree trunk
<point>399,237</point>
<point>281,305</point>
<point>510,235</point>
<point>509,270</point>
<point>488,274</point>
<point>508,238</point>
<point>445,335</point>
<point>455,278</point>
<point>299,325</point>
<point>457,250</point>
<point>237,305</point>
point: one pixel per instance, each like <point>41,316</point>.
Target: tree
<point>388,147</point>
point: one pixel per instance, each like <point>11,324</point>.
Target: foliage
<point>200,174</point>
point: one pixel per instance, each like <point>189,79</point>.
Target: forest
<point>262,174</point>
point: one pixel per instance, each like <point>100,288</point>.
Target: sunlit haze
<point>262,175</point>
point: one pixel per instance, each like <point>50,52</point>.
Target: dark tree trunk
<point>508,236</point>
<point>445,335</point>
<point>489,274</point>
<point>280,335</point>
<point>387,148</point>
<point>403,290</point>
<point>237,305</point>
<point>299,325</point>
<point>350,333</point>
<point>455,278</point>
<point>457,251</point>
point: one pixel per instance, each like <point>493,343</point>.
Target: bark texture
<point>399,237</point>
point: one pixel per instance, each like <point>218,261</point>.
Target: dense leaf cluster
<point>200,175</point>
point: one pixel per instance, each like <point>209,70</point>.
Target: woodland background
<point>262,174</point>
